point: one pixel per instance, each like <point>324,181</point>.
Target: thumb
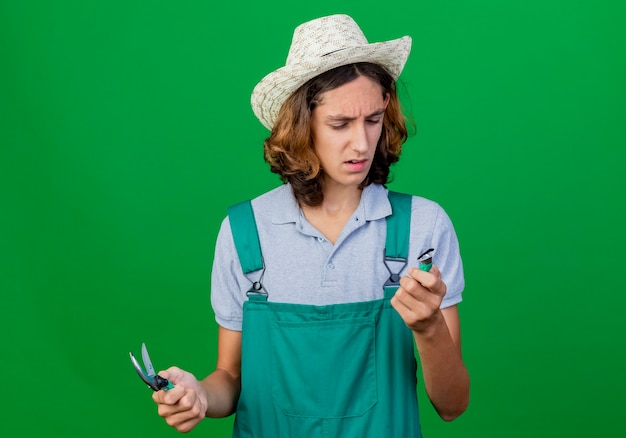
<point>173,374</point>
<point>435,271</point>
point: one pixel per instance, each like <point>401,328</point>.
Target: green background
<point>126,131</point>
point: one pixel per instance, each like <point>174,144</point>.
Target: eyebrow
<point>344,118</point>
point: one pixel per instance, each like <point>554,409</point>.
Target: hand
<point>419,297</point>
<point>184,406</point>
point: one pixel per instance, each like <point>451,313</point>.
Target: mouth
<point>356,165</point>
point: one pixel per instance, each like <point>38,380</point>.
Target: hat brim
<point>269,95</point>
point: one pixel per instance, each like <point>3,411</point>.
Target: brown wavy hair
<point>289,149</point>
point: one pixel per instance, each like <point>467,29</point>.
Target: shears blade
<point>147,380</point>
<point>150,377</point>
<point>146,361</point>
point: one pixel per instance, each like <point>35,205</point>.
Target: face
<point>346,125</point>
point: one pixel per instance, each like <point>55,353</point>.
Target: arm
<point>224,384</point>
<point>184,406</point>
<point>438,339</point>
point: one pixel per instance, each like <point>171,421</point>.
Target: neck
<point>341,200</point>
<point>331,216</point>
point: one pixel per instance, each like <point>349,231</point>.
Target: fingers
<point>419,297</point>
<point>421,283</point>
<point>428,279</point>
<point>180,407</point>
<point>183,421</point>
<point>413,301</point>
<point>170,397</point>
<point>185,409</point>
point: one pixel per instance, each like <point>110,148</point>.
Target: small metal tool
<point>426,260</point>
<point>149,376</point>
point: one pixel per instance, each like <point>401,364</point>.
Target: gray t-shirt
<point>302,267</point>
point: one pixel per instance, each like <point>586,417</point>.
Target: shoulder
<point>281,195</point>
<point>270,210</point>
<point>278,205</point>
<point>421,203</point>
<point>265,204</point>
<point>424,209</point>
<point>262,205</point>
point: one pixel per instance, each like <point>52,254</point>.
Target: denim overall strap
<point>246,237</point>
<point>398,225</point>
<point>397,240</point>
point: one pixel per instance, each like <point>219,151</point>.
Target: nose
<point>359,141</point>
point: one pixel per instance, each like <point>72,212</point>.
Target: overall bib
<point>342,370</point>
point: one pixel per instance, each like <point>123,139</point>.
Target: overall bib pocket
<point>324,368</point>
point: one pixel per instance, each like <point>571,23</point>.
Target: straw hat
<point>318,46</point>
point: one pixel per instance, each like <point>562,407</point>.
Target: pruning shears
<point>426,260</point>
<point>149,376</point>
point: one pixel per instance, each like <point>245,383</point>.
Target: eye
<point>339,126</point>
<point>374,121</point>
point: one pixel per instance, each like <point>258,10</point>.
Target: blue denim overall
<point>343,370</point>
